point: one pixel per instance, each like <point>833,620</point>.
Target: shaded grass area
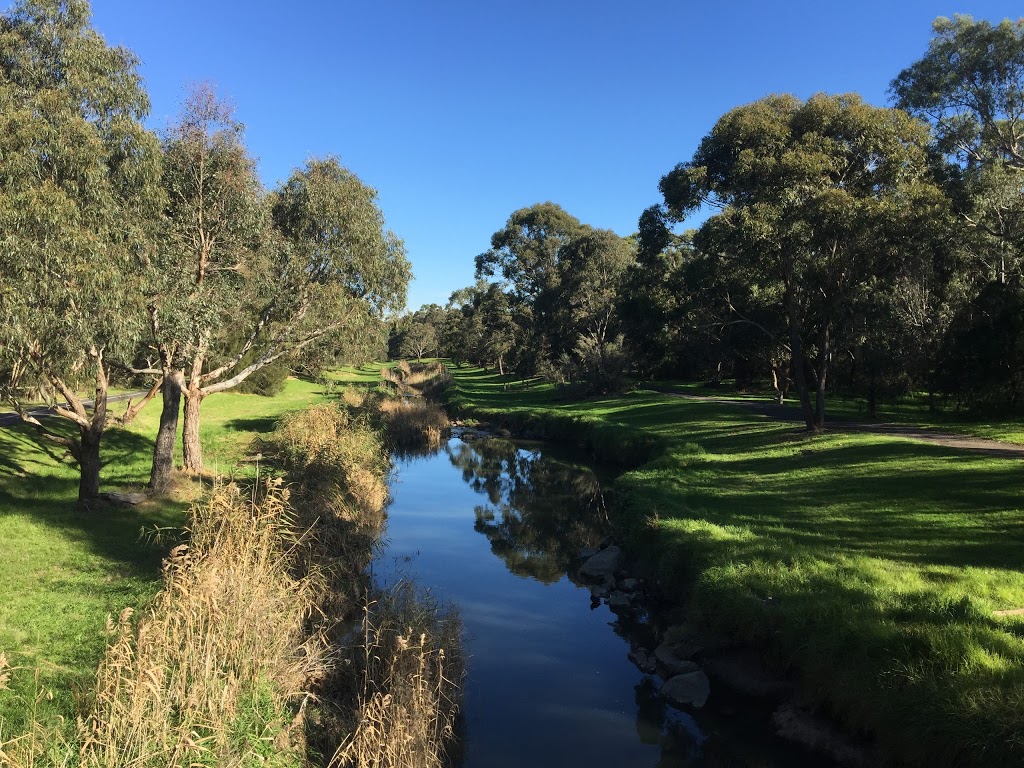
<point>912,410</point>
<point>868,566</point>
<point>63,569</point>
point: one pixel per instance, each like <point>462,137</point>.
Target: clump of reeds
<point>338,461</point>
<point>214,670</point>
<point>412,668</point>
<point>353,397</point>
<point>428,378</point>
<point>412,423</point>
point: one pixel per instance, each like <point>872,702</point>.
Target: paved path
<point>947,439</point>
<point>10,418</point>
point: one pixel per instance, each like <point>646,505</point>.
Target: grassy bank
<point>910,410</point>
<point>869,567</point>
<point>64,570</point>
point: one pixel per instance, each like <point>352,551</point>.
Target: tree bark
<point>192,447</point>
<point>797,350</point>
<point>89,462</point>
<point>822,375</point>
<point>163,452</point>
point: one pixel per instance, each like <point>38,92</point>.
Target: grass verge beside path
<point>912,411</point>
<point>62,571</point>
<point>868,566</point>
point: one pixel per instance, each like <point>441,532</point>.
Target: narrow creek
<point>495,526</point>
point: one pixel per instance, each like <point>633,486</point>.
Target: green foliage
<point>267,381</point>
<point>78,195</point>
<point>817,200</point>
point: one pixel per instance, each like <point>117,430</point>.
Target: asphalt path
<point>947,439</point>
<point>10,418</point>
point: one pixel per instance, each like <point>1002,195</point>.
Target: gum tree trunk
<point>163,453</point>
<point>89,463</point>
<point>192,448</point>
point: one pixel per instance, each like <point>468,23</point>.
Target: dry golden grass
<point>214,671</point>
<point>412,670</point>
<point>412,423</point>
<point>221,650</point>
<point>427,377</point>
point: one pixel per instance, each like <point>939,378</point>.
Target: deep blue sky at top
<point>461,111</point>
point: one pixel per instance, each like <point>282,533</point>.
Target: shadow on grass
<point>258,424</point>
<point>42,483</point>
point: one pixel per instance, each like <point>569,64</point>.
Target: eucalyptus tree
<point>324,275</point>
<point>526,254</point>
<point>78,191</point>
<point>651,294</point>
<point>592,269</point>
<point>201,275</point>
<point>970,86</point>
<point>815,201</point>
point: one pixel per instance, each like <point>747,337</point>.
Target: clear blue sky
<point>461,112</point>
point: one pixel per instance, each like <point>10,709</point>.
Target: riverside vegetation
<point>246,654</point>
<point>869,568</point>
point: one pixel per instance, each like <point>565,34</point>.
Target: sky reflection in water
<point>493,525</point>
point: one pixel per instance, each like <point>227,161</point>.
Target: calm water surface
<point>493,525</point>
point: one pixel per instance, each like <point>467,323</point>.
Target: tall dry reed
<point>412,667</point>
<point>412,424</point>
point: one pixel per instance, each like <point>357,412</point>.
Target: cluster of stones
<point>686,683</point>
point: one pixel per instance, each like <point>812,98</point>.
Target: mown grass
<point>911,410</point>
<point>867,566</point>
<point>63,569</point>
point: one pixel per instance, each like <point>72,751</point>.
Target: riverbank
<point>64,570</point>
<point>245,650</point>
<point>868,568</point>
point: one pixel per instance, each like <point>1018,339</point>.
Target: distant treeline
<point>869,250</point>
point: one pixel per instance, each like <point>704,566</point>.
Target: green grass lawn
<point>64,569</point>
<point>911,410</point>
<point>869,566</point>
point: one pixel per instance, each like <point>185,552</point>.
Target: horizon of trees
<point>873,251</point>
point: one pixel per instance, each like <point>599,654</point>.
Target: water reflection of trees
<point>540,511</point>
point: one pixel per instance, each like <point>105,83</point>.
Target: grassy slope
<point>910,411</point>
<point>63,570</point>
<point>869,565</point>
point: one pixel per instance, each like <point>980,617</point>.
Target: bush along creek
<point>573,655</point>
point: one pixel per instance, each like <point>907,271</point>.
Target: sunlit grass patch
<point>869,566</point>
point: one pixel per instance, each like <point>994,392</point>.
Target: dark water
<point>493,525</point>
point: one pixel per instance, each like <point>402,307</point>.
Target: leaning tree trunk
<point>163,452</point>
<point>192,448</point>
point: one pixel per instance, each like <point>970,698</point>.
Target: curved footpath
<point>945,439</point>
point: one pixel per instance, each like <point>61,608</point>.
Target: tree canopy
<point>78,196</point>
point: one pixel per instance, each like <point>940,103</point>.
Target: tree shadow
<point>42,484</point>
<point>258,424</point>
